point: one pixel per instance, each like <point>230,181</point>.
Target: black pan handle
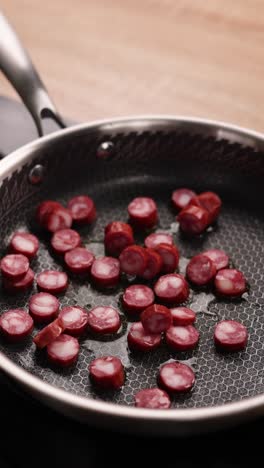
<point>17,66</point>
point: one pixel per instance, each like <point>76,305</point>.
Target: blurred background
<point>104,58</point>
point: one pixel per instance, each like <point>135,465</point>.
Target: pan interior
<point>151,166</point>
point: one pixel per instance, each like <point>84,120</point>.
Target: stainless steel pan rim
<point>85,408</point>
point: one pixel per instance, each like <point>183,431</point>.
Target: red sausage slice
<point>58,218</point>
<point>73,320</point>
<point>44,209</point>
<point>143,212</point>
<point>104,319</point>
<point>63,351</point>
<point>140,340</point>
<point>154,264</point>
<point>137,298</point>
<point>156,238</point>
<point>182,316</point>
<point>64,240</point>
<point>82,209</point>
<point>79,260</point>
<point>25,244</point>
<point>218,257</point>
<point>230,335</point>
<point>107,372</point>
<point>48,334</point>
<point>14,266</point>
<point>200,270</point>
<point>211,202</point>
<point>54,282</point>
<point>21,285</point>
<point>193,220</point>
<point>153,398</point>
<point>172,288</point>
<point>16,324</point>
<point>105,272</point>
<point>230,282</point>
<point>182,197</point>
<point>133,260</point>
<point>176,377</point>
<point>43,307</point>
<point>118,236</point>
<point>170,257</point>
<point>182,338</point>
<point>156,319</point>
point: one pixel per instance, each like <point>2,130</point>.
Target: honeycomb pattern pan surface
<point>220,378</point>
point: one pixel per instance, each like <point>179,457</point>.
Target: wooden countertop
<point>104,58</point>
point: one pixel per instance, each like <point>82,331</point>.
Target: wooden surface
<point>103,58</point>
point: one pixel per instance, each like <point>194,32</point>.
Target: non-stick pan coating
<point>151,164</point>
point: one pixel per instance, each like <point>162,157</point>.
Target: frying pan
<point>113,161</point>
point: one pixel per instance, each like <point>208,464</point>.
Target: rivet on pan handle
<point>17,66</point>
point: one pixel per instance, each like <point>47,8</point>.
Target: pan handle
<point>18,68</point>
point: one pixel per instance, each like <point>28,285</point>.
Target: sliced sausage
<point>79,260</point>
<point>154,264</point>
<point>73,320</point>
<point>118,236</point>
<point>193,220</point>
<point>153,398</point>
<point>218,257</point>
<point>14,266</point>
<point>176,377</point>
<point>104,319</point>
<point>170,257</point>
<point>24,243</point>
<point>105,272</point>
<point>230,282</point>
<point>137,298</point>
<point>156,238</point>
<point>107,372</point>
<point>182,338</point>
<point>16,324</point>
<point>182,316</point>
<point>156,319</point>
<point>21,285</point>
<point>172,289</point>
<point>139,340</point>
<point>54,282</point>
<point>44,209</point>
<point>230,335</point>
<point>181,198</point>
<point>211,202</point>
<point>48,334</point>
<point>143,212</point>
<point>63,351</point>
<point>200,270</point>
<point>43,307</point>
<point>82,209</point>
<point>58,218</point>
<point>133,260</point>
<point>64,240</point>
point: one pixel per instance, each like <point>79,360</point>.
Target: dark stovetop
<point>62,442</point>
